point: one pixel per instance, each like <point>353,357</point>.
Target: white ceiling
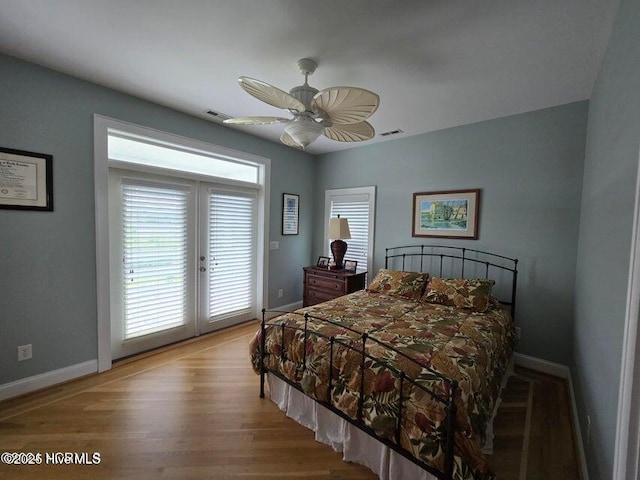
<point>435,63</point>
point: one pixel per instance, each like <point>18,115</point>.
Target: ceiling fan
<point>338,112</point>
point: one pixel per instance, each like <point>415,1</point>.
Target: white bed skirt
<point>355,445</point>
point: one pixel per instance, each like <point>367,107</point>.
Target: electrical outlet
<point>280,293</point>
<point>518,333</point>
<point>275,245</point>
<point>24,352</point>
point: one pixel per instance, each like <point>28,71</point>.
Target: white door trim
<point>101,124</point>
<point>626,461</point>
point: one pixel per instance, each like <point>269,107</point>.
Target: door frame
<point>626,462</point>
<point>101,127</point>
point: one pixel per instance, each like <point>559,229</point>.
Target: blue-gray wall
<point>610,170</point>
<point>540,203</point>
<point>47,260</point>
<point>529,168</point>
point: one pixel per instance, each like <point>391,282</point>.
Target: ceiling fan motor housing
<point>305,94</point>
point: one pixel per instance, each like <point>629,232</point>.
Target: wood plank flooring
<point>533,430</point>
<point>193,412</point>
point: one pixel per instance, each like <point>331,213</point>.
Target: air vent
<point>391,132</point>
<point>217,115</point>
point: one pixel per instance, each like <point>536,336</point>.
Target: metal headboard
<point>469,259</point>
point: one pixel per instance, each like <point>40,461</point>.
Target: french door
<point>227,261</point>
<point>183,259</point>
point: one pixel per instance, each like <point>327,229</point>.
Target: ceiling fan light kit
<point>337,112</point>
<point>304,130</point>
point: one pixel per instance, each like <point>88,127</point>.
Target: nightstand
<point>321,284</point>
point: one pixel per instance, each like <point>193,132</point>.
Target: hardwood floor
<point>193,412</point>
<point>533,430</point>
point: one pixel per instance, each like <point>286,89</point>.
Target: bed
<point>404,376</point>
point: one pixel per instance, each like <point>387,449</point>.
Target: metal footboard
<point>359,346</point>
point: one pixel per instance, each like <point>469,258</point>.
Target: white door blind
<point>155,222</point>
<point>232,251</point>
<point>356,211</point>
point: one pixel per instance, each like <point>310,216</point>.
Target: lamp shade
<point>339,229</point>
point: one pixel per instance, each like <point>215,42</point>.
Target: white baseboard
<point>47,379</point>
<point>561,371</point>
<point>283,308</point>
<point>43,380</point>
<point>542,366</point>
<point>576,425</point>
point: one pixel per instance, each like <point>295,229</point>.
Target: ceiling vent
<point>217,115</point>
<point>391,132</point>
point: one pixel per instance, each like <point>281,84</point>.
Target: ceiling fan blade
<point>346,105</point>
<point>255,120</point>
<point>287,140</point>
<point>352,132</point>
<point>270,94</point>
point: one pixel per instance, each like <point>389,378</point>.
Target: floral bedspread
<point>430,339</point>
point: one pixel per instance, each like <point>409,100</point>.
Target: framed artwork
<point>26,180</point>
<point>350,265</point>
<point>290,211</point>
<point>447,214</point>
<point>323,262</point>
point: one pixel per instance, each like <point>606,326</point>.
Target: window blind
<point>356,211</point>
<point>232,233</point>
<point>154,220</point>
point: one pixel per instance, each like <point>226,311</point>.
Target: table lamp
<point>338,231</point>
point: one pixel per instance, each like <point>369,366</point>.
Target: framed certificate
<point>26,180</point>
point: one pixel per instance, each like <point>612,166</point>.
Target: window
<point>357,205</point>
<point>131,149</point>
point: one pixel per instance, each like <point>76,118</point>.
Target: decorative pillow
<point>398,283</point>
<point>474,294</point>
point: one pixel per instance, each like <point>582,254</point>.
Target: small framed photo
<point>290,212</point>
<point>323,262</point>
<point>350,265</point>
<point>26,180</point>
<point>447,214</point>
